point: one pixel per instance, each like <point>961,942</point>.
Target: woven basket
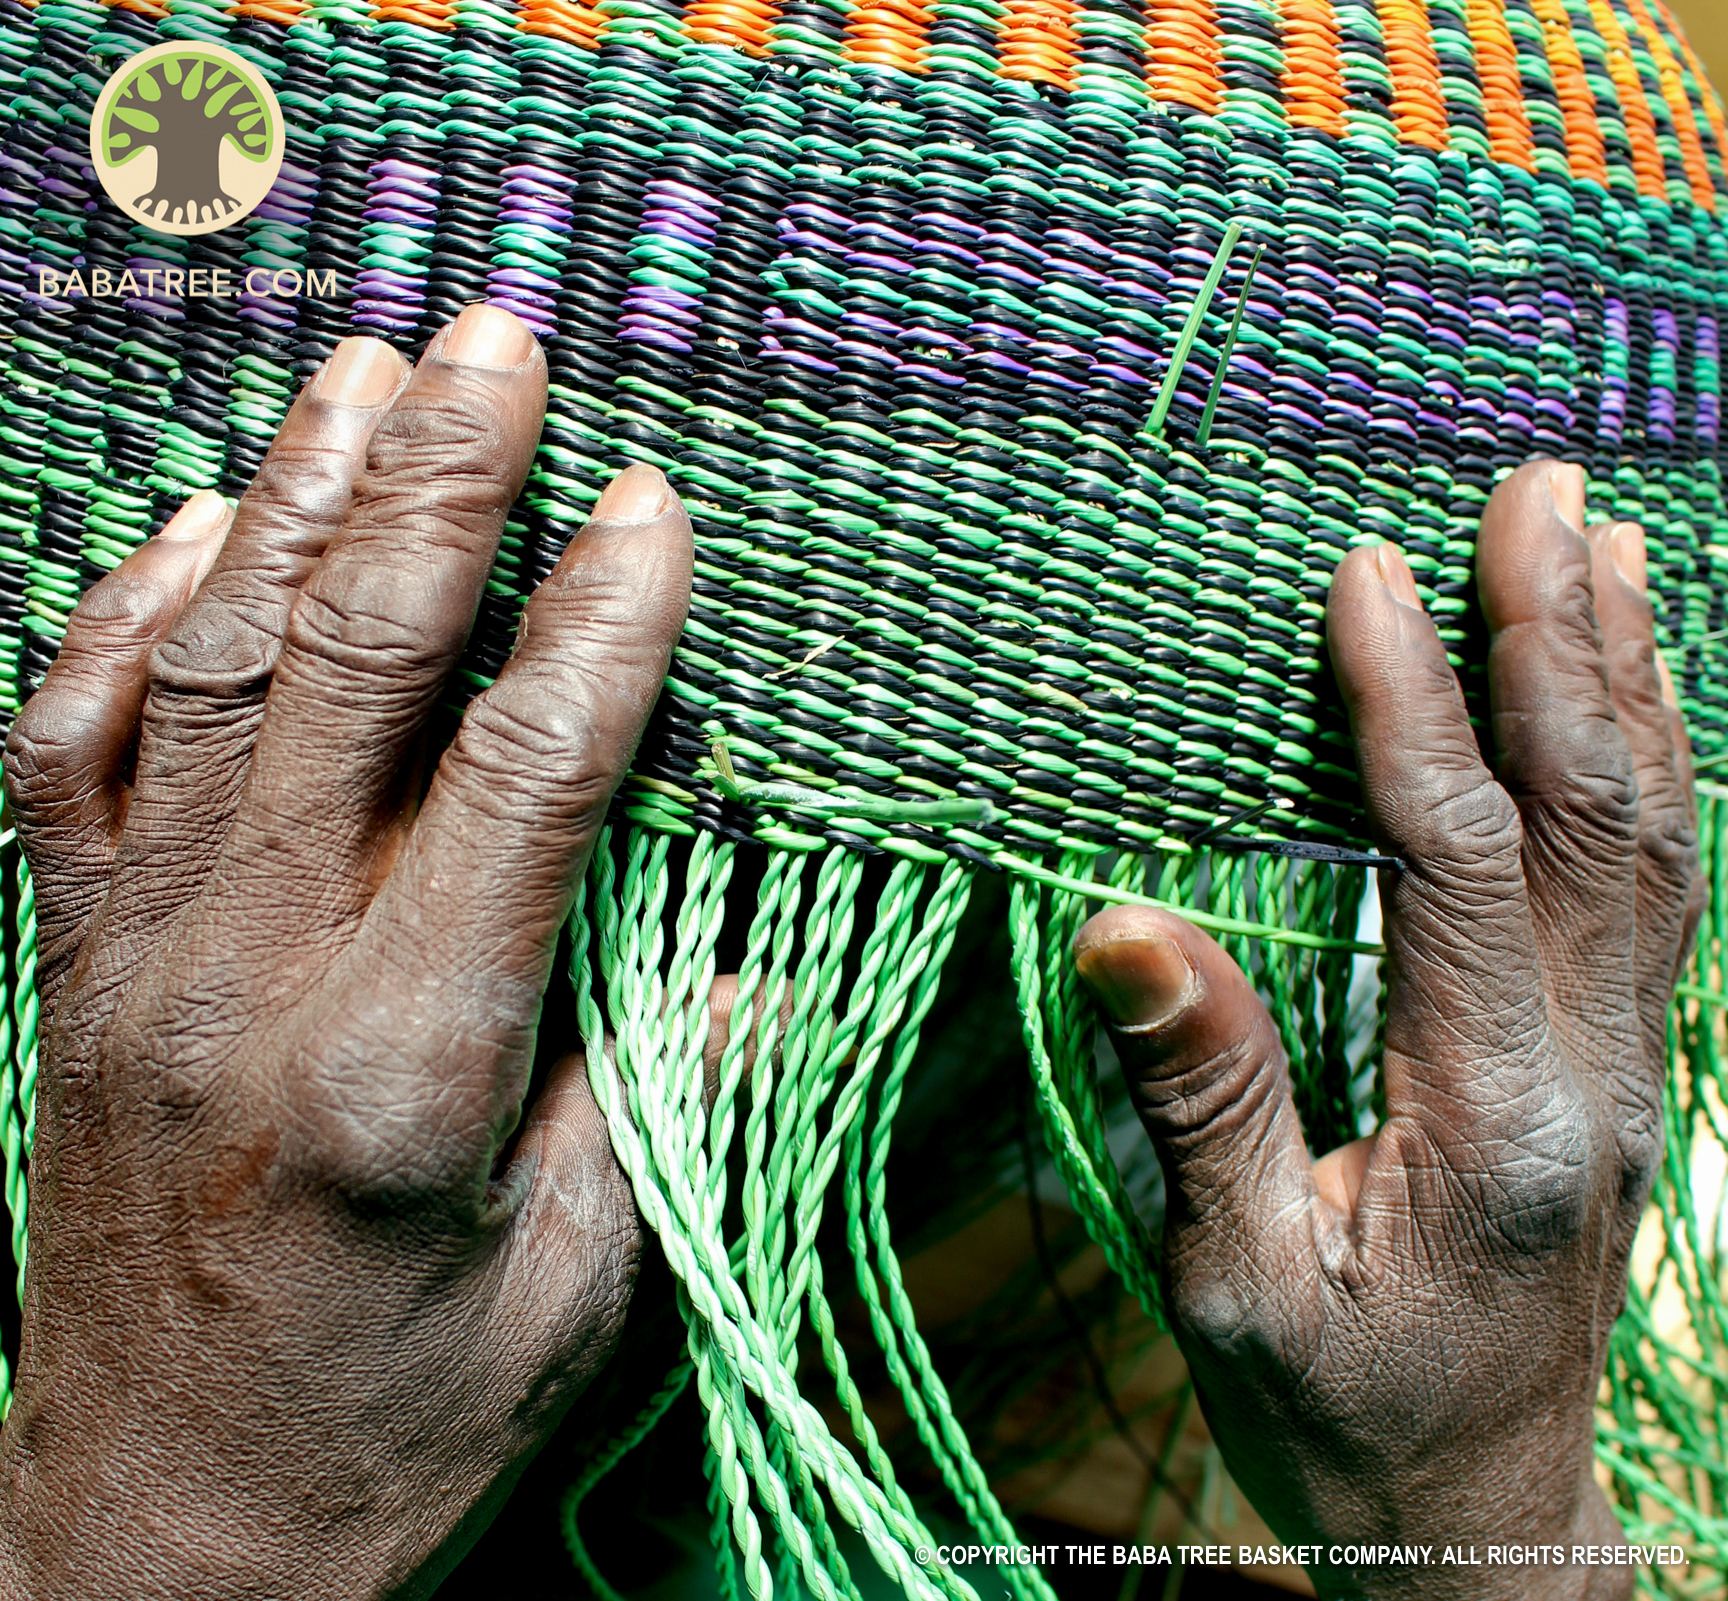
<point>1027,366</point>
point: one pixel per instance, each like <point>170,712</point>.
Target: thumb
<point>571,1241</point>
<point>1208,1076</point>
<point>722,1002</point>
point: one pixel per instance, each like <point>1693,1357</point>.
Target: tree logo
<point>187,138</point>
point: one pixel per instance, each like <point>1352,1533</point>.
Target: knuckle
<point>515,741</point>
<point>395,1121</point>
<point>1465,825</point>
<point>1602,788</point>
<point>223,648</point>
<point>1630,662</point>
<point>52,748</point>
<point>1668,846</point>
<point>111,611</point>
<point>172,1040</point>
<point>299,492</point>
<point>1224,1310</point>
<point>1208,1308</point>
<point>575,1240</point>
<point>1217,1095</point>
<point>1571,608</point>
<point>361,637</point>
<point>626,603</point>
<point>1537,1193</point>
<point>374,1161</point>
<point>1574,758</point>
<point>439,453</point>
<point>213,656</point>
<point>1540,1212</point>
<point>1641,1140</point>
<point>1545,612</point>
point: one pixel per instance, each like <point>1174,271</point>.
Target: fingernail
<point>360,372</point>
<point>1566,484</point>
<point>1666,676</point>
<point>488,336</point>
<point>200,517</point>
<point>1626,546</point>
<point>637,495</point>
<point>1395,575</point>
<point>1140,983</point>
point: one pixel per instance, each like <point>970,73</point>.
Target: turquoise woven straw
<point>1027,366</point>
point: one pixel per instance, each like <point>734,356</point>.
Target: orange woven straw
<point>1679,105</point>
<point>889,33</point>
<point>1705,99</point>
<point>285,12</point>
<point>744,24</point>
<point>1634,108</point>
<point>1418,107</point>
<point>568,20</point>
<point>1313,73</point>
<point>1585,152</point>
<point>1036,41</point>
<point>1182,53</point>
<point>428,13</point>
<point>1509,136</point>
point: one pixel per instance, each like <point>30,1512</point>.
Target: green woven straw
<point>1023,420</point>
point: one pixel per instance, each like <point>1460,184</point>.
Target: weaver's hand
<point>302,1298</point>
<point>1402,1343</point>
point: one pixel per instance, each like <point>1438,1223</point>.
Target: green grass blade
<point>1205,432</point>
<point>1191,329</point>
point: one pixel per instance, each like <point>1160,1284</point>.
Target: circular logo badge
<point>187,138</point>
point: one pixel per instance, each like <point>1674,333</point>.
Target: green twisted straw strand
<point>735,1355</point>
<point>1120,1235</point>
<point>11,1137</point>
<point>1661,1435</point>
<point>25,1012</point>
<point>821,1107</point>
<point>894,1323</point>
<point>603,1462</point>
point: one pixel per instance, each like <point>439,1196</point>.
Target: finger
<point>1698,894</point>
<point>1683,760</point>
<point>377,629</point>
<point>488,874</point>
<point>1208,1076</point>
<point>1338,1175</point>
<point>1559,750</point>
<point>722,1002</point>
<point>70,748</point>
<point>1466,1030</point>
<point>1667,876</point>
<point>210,676</point>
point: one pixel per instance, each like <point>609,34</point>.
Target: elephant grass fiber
<point>1027,366</point>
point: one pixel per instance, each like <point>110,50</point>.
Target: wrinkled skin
<point>310,1283</point>
<point>299,1308</point>
<point>1402,1342</point>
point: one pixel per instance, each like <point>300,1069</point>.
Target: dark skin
<point>1402,1342</point>
<point>286,1333</point>
<point>310,1283</point>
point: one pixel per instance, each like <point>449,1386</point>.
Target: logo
<point>187,138</point>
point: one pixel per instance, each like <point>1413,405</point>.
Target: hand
<point>306,1288</point>
<point>1402,1342</point>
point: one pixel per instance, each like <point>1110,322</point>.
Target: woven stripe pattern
<point>1027,367</point>
<point>889,290</point>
